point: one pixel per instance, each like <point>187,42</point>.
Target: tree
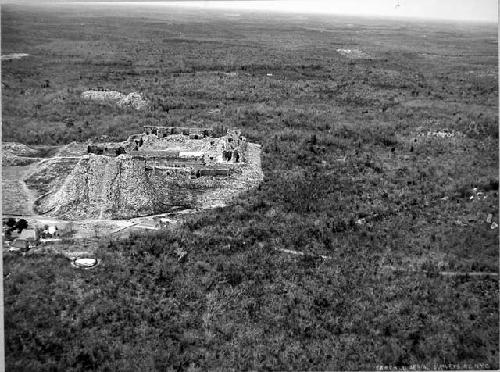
<point>21,225</point>
<point>11,222</point>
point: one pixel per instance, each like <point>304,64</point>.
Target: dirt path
<point>403,269</point>
<point>60,157</point>
<point>92,228</point>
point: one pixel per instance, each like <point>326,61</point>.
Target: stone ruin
<point>104,96</point>
<point>176,147</point>
<point>162,169</point>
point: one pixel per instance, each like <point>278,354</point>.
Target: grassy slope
<point>236,302</point>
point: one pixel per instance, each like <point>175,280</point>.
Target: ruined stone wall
<point>106,150</point>
<point>211,172</point>
<point>134,143</point>
<point>244,177</point>
<point>170,142</point>
<point>174,162</point>
<point>229,149</point>
<point>193,133</point>
<point>151,154</point>
<point>176,142</point>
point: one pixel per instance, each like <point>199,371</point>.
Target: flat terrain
<point>384,158</point>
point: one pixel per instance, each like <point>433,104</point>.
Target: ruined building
<point>162,169</point>
<point>204,151</point>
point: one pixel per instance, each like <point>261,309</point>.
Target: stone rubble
<point>353,53</point>
<point>133,100</point>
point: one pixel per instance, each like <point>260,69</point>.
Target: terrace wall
<point>106,150</point>
<point>193,133</point>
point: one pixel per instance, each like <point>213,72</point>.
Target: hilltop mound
<point>148,174</point>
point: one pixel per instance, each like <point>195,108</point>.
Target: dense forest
<point>388,165</point>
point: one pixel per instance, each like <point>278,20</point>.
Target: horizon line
<point>264,6</point>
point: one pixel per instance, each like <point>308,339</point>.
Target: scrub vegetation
<point>388,164</point>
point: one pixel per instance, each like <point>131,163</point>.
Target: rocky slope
<point>104,187</point>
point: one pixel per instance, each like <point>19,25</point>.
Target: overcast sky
<point>476,10</point>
